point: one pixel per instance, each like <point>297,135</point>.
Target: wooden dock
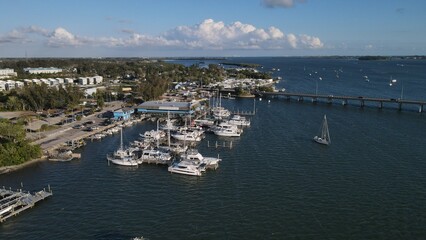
<point>360,100</point>
<point>15,202</point>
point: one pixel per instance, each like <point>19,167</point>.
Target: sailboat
<point>123,157</point>
<point>324,137</point>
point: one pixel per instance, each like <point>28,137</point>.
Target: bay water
<point>275,182</point>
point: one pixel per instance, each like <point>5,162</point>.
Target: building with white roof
<point>42,70</point>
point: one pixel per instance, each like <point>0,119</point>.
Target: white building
<point>69,81</point>
<point>7,72</point>
<point>60,80</point>
<point>98,79</point>
<point>42,70</point>
<point>19,84</point>
<point>90,91</point>
<point>10,84</point>
<point>53,82</point>
<point>82,81</point>
<point>2,85</point>
<point>36,81</point>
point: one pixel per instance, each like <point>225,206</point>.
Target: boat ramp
<point>15,202</point>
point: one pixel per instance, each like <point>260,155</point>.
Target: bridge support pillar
<point>380,104</point>
<point>300,99</point>
<point>421,108</point>
<point>362,104</point>
<point>329,100</point>
<point>400,106</point>
<point>344,102</point>
<point>314,100</point>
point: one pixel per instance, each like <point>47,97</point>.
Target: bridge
<point>361,100</point>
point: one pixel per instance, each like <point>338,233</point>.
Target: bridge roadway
<point>361,99</point>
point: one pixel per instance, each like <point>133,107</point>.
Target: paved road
<point>56,137</point>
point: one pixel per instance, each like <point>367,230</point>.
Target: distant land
<point>377,57</point>
<point>390,57</point>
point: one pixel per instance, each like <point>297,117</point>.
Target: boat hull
<point>320,140</point>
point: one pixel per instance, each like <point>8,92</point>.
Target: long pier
<point>15,202</point>
<point>361,100</point>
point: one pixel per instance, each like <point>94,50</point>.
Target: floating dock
<point>15,202</point>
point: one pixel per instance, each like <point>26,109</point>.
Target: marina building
<point>163,107</point>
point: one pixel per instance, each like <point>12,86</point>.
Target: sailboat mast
<point>121,139</point>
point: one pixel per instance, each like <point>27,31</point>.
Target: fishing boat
<point>324,136</point>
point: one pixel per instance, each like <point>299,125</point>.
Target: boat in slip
<point>239,121</point>
<point>227,130</point>
<point>123,157</point>
<point>186,168</point>
<point>324,136</point>
<point>194,156</point>
<point>155,156</point>
<point>193,136</point>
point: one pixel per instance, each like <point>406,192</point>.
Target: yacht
<point>239,121</point>
<point>187,136</point>
<point>227,130</point>
<point>156,156</point>
<point>205,162</point>
<point>204,122</point>
<point>186,168</point>
<point>220,112</point>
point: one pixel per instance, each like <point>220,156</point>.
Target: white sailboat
<point>324,137</point>
<point>123,157</point>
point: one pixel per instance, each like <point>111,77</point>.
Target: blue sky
<point>159,28</point>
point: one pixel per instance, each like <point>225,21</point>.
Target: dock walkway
<point>15,202</point>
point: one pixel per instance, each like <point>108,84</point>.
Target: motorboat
<point>239,121</point>
<point>206,162</point>
<point>186,168</point>
<point>227,130</point>
<point>204,122</point>
<point>220,112</point>
<point>157,156</point>
<point>187,136</point>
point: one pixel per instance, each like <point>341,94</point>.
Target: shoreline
<point>13,168</point>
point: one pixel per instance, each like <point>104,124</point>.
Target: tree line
<point>14,148</point>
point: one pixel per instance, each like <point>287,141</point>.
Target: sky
<point>211,28</point>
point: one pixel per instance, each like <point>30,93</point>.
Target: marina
<point>274,183</point>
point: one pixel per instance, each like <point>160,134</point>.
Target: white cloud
<point>61,37</point>
<point>280,3</point>
<point>311,42</point>
<point>207,35</point>
<point>216,35</point>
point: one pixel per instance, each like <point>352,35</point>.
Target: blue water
<point>275,183</point>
